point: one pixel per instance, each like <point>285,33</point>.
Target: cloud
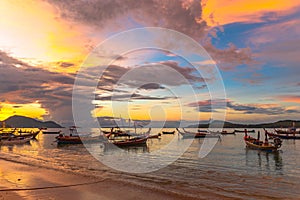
<point>150,76</point>
<point>131,97</point>
<point>152,86</point>
<point>65,64</point>
<point>265,109</point>
<point>183,16</point>
<point>277,42</point>
<point>289,98</point>
<point>209,105</point>
<point>227,59</point>
<point>116,14</point>
<point>27,84</point>
<point>246,11</point>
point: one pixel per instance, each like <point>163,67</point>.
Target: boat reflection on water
<point>262,160</point>
<point>106,147</point>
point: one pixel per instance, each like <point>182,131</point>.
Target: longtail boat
<point>75,138</point>
<point>154,136</point>
<point>223,132</point>
<point>187,134</point>
<point>255,143</point>
<point>51,132</point>
<point>283,136</point>
<point>248,131</point>
<point>131,142</point>
<point>291,130</point>
<point>168,132</point>
<point>31,135</point>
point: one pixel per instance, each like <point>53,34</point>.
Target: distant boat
<point>286,132</point>
<point>283,135</point>
<point>168,132</point>
<point>227,133</point>
<point>290,130</point>
<point>14,141</point>
<point>187,134</point>
<point>255,143</point>
<point>248,131</point>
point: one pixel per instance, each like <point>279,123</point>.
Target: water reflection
<point>106,147</point>
<point>269,161</point>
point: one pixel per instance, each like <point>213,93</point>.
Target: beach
<point>21,181</point>
<point>44,170</point>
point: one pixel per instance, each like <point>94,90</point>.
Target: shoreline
<point>21,181</point>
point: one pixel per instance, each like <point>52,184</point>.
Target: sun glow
<point>33,110</point>
<point>33,32</point>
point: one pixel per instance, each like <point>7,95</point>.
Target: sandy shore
<point>20,181</point>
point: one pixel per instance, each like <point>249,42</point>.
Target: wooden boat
<point>75,138</point>
<point>8,131</point>
<point>120,133</point>
<point>51,132</point>
<point>154,136</point>
<point>255,143</point>
<point>64,139</point>
<point>291,130</point>
<point>283,136</point>
<point>223,132</point>
<point>31,135</point>
<point>286,132</point>
<point>168,132</point>
<point>116,132</point>
<point>131,142</point>
<point>14,141</point>
<point>187,134</point>
<point>248,131</point>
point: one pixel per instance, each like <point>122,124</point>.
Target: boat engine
<point>277,142</point>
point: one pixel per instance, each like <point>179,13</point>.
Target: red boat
<point>131,142</point>
<point>75,138</point>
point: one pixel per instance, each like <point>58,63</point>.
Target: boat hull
<point>261,147</point>
<point>281,136</point>
<point>128,143</point>
<point>168,133</point>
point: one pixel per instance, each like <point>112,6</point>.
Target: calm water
<point>230,170</point>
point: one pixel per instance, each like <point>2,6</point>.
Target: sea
<point>230,170</point>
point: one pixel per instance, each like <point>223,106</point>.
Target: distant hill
<point>27,122</point>
<point>278,124</point>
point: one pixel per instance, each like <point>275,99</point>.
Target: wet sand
<point>20,181</point>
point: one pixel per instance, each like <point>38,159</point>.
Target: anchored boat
<point>255,143</point>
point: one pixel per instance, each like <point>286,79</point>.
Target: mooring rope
<point>49,187</point>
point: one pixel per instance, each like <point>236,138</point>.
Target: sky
<point>254,45</point>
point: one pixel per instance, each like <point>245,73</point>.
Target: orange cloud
<point>290,98</point>
<point>225,12</point>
